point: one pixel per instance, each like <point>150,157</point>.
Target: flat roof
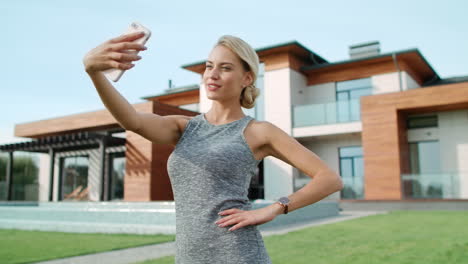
<point>174,90</point>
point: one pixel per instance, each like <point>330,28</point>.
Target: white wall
<point>389,82</point>
<point>44,177</point>
<point>453,133</point>
<point>409,82</point>
<point>278,179</point>
<point>205,103</point>
<point>327,148</point>
<point>385,83</point>
<point>319,94</point>
<point>298,89</point>
<point>192,107</point>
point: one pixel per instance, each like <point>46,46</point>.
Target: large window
<point>425,157</point>
<point>347,98</point>
<point>352,172</point>
<point>117,163</point>
<point>422,121</point>
<point>426,179</point>
<point>74,175</point>
<point>25,182</point>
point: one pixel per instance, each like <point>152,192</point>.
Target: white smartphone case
<point>115,74</point>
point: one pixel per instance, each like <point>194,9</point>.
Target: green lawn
<point>400,237</point>
<point>18,246</point>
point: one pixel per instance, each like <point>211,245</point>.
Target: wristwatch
<point>284,201</point>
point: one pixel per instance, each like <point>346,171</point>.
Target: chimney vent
<point>364,50</point>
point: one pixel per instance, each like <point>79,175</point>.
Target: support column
<point>9,176</point>
<point>278,175</point>
<point>102,157</point>
<point>51,173</point>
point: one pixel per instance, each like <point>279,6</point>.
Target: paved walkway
<point>137,254</point>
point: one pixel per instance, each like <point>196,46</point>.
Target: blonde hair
<point>250,62</point>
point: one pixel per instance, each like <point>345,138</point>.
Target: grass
<point>19,246</point>
<point>400,237</point>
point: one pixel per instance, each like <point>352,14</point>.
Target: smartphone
<point>115,74</point>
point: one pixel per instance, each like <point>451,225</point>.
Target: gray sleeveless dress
<point>210,171</point>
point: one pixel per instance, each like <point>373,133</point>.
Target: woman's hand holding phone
<point>116,55</point>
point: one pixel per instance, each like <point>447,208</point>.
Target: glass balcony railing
<point>327,113</point>
<point>431,185</point>
<point>353,187</point>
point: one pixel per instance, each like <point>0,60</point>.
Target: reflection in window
<point>346,92</point>
<point>25,176</point>
<point>75,178</point>
<point>426,179</point>
<point>352,172</point>
<point>425,157</point>
<point>117,177</point>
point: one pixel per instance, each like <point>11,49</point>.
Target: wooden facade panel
<point>384,133</point>
<point>337,74</point>
<point>161,189</point>
<point>138,170</point>
<point>90,121</point>
<point>182,98</point>
<point>276,61</point>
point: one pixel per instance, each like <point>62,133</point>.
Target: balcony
<point>432,186</point>
<point>327,113</point>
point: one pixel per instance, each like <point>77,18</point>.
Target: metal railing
<point>443,185</point>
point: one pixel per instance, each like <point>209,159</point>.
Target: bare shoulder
<point>180,120</point>
<point>264,129</point>
<point>259,135</point>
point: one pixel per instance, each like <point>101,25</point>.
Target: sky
<point>45,41</point>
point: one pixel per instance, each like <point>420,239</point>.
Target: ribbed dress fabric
<point>210,171</point>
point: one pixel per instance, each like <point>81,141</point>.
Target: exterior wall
<point>90,121</point>
<point>298,88</point>
<point>331,129</point>
<point>192,107</point>
<point>385,83</point>
<point>320,93</point>
<point>44,175</point>
<point>390,82</point>
<point>205,103</point>
<point>278,179</point>
<point>453,141</point>
<point>408,81</point>
<point>384,136</point>
<point>327,148</point>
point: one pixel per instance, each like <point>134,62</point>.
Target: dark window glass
<point>75,178</point>
<point>422,121</point>
<point>352,172</point>
<point>118,175</point>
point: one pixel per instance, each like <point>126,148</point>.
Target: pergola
<point>59,143</point>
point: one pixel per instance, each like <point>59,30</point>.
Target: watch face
<point>284,200</point>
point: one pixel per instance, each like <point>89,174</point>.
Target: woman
<point>215,154</point>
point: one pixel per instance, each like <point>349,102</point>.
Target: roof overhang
<point>292,48</point>
<point>67,142</point>
<point>411,61</point>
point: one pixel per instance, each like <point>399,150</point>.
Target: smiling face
<point>225,76</point>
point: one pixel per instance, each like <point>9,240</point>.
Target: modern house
<point>387,123</point>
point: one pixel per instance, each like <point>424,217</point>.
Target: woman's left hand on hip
<point>240,218</point>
